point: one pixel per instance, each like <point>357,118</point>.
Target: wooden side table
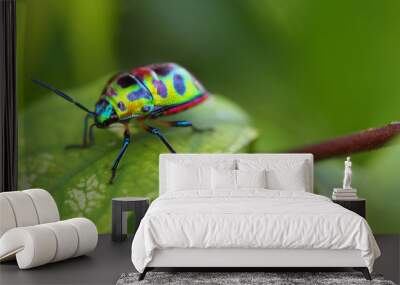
<point>358,205</point>
<point>120,207</point>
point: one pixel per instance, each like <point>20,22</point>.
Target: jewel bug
<point>147,92</point>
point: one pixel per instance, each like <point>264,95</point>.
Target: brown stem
<point>357,142</point>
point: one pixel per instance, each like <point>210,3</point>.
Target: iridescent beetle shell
<point>150,91</point>
<point>147,92</point>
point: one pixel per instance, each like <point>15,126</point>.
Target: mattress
<point>250,219</point>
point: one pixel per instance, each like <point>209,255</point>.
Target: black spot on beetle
<point>126,81</point>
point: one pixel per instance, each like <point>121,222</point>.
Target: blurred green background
<point>303,71</point>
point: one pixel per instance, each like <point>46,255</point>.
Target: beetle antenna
<point>62,94</point>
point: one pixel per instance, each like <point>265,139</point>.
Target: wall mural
<point>278,78</point>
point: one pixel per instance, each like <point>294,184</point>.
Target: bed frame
<point>245,259</point>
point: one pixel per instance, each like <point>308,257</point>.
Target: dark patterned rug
<point>233,278</point>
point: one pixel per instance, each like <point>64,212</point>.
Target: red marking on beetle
<point>141,72</point>
<point>185,106</point>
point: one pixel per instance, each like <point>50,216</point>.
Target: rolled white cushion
<point>23,208</point>
<point>67,240</point>
<point>37,245</point>
<point>87,235</point>
<point>7,218</point>
<point>33,246</point>
<point>45,205</point>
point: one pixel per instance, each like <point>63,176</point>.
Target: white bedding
<point>250,219</point>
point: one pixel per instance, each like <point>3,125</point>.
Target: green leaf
<point>78,178</point>
<point>380,186</point>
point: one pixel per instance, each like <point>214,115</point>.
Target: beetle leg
<point>85,142</point>
<point>91,137</point>
<point>158,133</point>
<point>182,124</point>
<point>127,140</point>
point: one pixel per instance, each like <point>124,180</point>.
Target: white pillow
<point>251,178</point>
<point>183,174</point>
<point>223,179</point>
<point>181,178</point>
<point>290,179</point>
<point>227,179</point>
<point>281,174</point>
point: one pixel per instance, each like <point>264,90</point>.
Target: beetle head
<point>105,114</point>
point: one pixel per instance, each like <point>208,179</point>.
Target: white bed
<point>249,227</point>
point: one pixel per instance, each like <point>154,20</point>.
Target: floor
<point>110,260</point>
<point>389,262</point>
<point>103,266</point>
